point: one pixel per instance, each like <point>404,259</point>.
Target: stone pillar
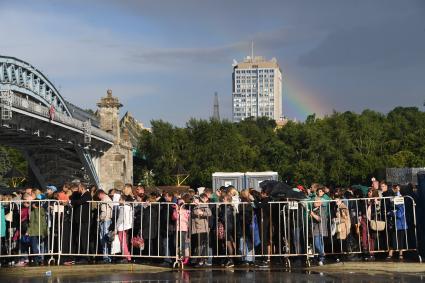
<point>116,164</point>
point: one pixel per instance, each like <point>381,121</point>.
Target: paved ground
<point>347,273</point>
<point>348,267</point>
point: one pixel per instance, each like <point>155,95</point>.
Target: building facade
<point>256,89</point>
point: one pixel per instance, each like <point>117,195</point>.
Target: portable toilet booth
<point>253,179</point>
<point>235,179</point>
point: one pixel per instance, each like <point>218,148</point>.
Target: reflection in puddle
<point>220,276</point>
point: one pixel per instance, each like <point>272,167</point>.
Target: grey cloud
<point>392,44</point>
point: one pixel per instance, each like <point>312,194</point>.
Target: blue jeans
<point>318,247</point>
<point>248,253</point>
<point>103,234</point>
<point>37,247</point>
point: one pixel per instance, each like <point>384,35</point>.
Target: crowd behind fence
<point>227,227</point>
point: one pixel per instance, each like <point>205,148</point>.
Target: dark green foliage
<point>340,149</point>
<point>10,157</point>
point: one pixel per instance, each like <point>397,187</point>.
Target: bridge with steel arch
<point>59,140</point>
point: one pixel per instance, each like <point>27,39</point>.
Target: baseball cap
<point>52,188</point>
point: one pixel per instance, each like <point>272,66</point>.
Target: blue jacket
<point>2,222</point>
<point>400,217</point>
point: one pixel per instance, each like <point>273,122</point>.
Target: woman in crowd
<point>22,213</point>
<point>227,218</point>
<point>200,228</point>
<point>368,213</point>
<point>343,225</point>
<point>248,233</point>
<point>150,224</point>
<point>400,239</point>
<point>181,215</point>
<point>124,224</point>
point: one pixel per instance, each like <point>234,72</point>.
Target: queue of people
<point>79,224</point>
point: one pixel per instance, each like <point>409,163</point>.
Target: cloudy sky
<point>165,59</point>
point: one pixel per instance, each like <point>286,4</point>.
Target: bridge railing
<point>43,111</point>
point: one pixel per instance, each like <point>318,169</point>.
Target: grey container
<point>253,179</point>
<point>235,179</point>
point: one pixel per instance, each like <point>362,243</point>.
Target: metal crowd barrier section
<point>112,230</point>
<point>343,227</point>
<point>199,233</point>
<point>288,229</point>
<point>29,231</point>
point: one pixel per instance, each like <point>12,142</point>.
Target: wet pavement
<point>134,273</point>
<point>216,275</point>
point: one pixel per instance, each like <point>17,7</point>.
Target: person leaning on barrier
<point>399,242</point>
<point>150,224</point>
<point>320,228</point>
<point>167,227</point>
<point>105,220</point>
<point>227,220</point>
<point>368,210</point>
<point>2,225</point>
<point>263,211</point>
<point>37,230</point>
<point>124,224</point>
<point>81,209</point>
<point>342,221</point>
<point>248,233</point>
<point>200,228</point>
<point>20,236</point>
<point>386,211</point>
<point>181,215</point>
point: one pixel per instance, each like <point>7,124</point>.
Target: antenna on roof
<point>252,50</point>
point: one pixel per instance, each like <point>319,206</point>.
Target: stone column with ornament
<point>116,164</point>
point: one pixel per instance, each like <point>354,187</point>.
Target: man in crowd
<point>105,220</point>
<point>80,203</point>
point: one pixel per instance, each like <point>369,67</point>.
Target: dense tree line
<point>10,157</point>
<point>339,149</point>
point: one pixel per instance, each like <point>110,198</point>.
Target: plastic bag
<point>116,245</point>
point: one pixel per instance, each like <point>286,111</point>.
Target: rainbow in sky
<point>300,101</point>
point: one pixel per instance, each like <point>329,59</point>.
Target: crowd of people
<point>80,224</point>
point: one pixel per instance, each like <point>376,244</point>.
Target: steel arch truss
<point>22,77</point>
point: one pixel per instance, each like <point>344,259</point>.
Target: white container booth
<point>253,179</point>
<point>235,179</point>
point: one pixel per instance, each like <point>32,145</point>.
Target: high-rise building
<point>257,89</point>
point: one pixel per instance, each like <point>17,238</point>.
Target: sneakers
<point>21,263</point>
<point>262,264</point>
<point>320,263</point>
<point>229,264</point>
<point>69,262</point>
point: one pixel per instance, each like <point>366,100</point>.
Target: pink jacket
<point>181,216</point>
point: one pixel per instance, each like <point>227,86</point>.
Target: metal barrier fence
<point>29,228</point>
<point>200,232</point>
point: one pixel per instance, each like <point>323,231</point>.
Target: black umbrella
<point>280,191</point>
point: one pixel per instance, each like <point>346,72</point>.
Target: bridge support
<point>34,168</point>
<point>87,161</point>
